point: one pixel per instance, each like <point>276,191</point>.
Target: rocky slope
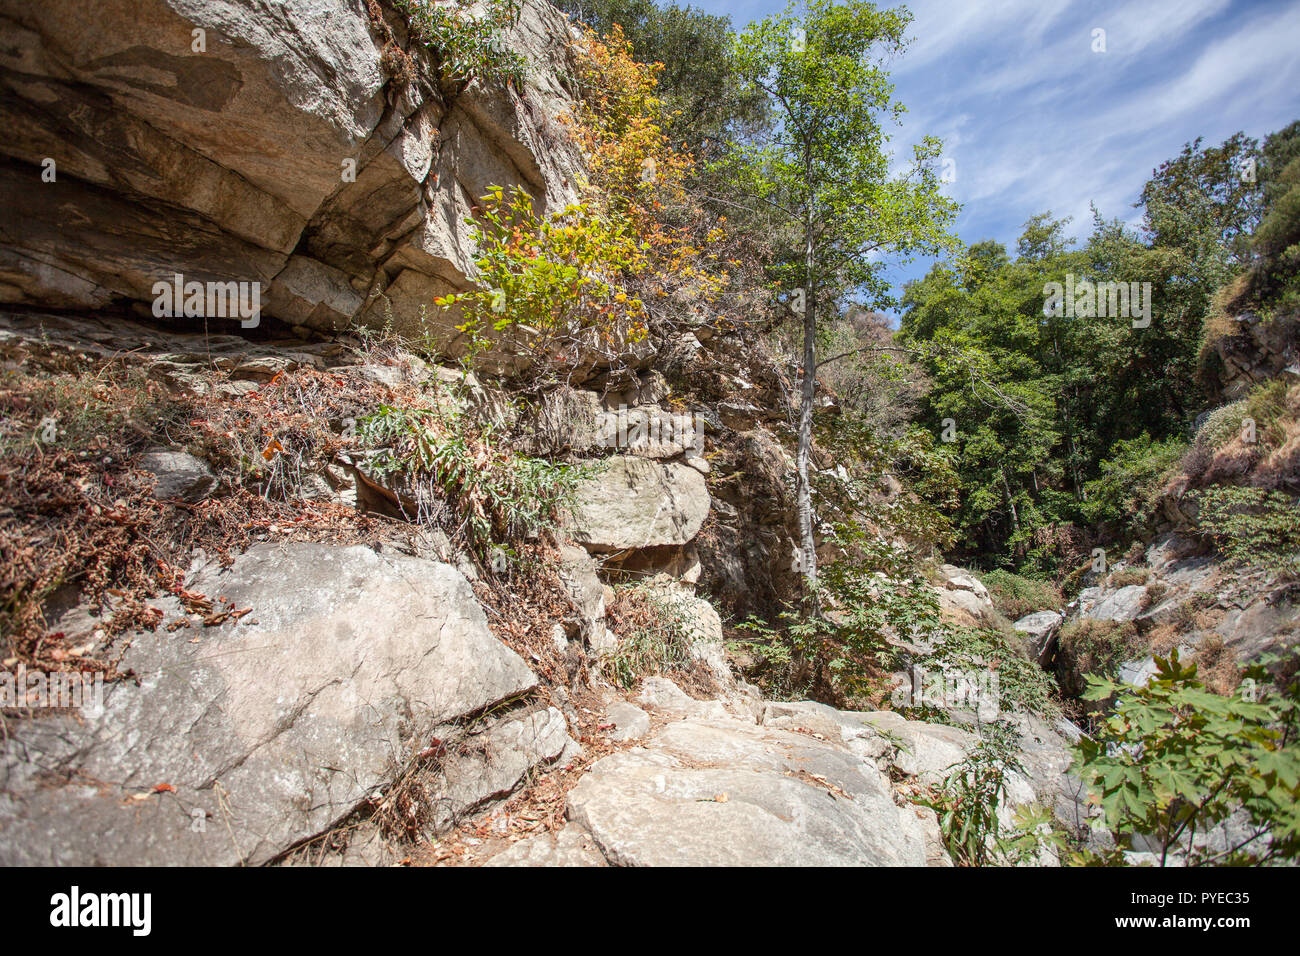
<point>345,684</point>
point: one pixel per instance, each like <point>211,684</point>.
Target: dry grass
<point>1216,665</point>
<point>78,518</point>
<point>1184,621</point>
<point>1127,577</point>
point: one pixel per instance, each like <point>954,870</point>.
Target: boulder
<point>1119,604</point>
<point>630,721</point>
<point>636,503</point>
<point>587,594</point>
<point>963,597</point>
<point>701,627</point>
<point>267,730</point>
<point>178,474</point>
<point>1039,629</point>
<point>661,694</point>
<point>491,761</point>
<point>927,751</point>
<point>726,793</point>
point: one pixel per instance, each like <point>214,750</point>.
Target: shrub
<point>1021,683</point>
<point>654,638</point>
<point>1127,577</point>
<point>557,283</point>
<point>1252,527</point>
<point>1221,426</point>
<point>587,278</point>
<point>845,652</point>
<point>1089,646</point>
<point>637,175</point>
<point>1015,596</point>
<point>850,497</point>
<point>968,802</point>
<point>1173,760</point>
<point>464,46</point>
<point>1269,405</point>
<point>1125,495</point>
<point>482,490</point>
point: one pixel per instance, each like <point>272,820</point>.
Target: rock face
<point>721,793</point>
<point>638,503</point>
<point>230,140</point>
<point>963,597</point>
<point>1040,629</point>
<point>744,782</point>
<point>1258,350</point>
<point>272,729</point>
<point>1120,604</point>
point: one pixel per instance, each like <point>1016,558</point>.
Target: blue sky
<point>1033,119</point>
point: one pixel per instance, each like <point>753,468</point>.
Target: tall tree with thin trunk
<point>826,175</point>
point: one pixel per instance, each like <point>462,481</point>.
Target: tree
<point>825,171</point>
<point>703,99</point>
<point>1206,202</point>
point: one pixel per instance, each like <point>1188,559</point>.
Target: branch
<point>1019,409</point>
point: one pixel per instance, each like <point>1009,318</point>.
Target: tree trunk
<point>803,497</point>
<point>1011,501</point>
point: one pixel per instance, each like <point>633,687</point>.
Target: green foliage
<point>701,91</point>
<point>557,283</point>
<point>852,501</point>
<point>1124,496</point>
<point>1173,760</point>
<point>1203,204</point>
<point>1253,527</point>
<point>828,175</point>
<point>872,598</point>
<point>464,46</point>
<point>480,488</point>
<point>1014,595</point>
<point>1277,245</point>
<point>968,804</point>
<point>1021,683</point>
<point>1270,406</point>
<point>1101,406</point>
<point>825,162</point>
<point>1221,426</point>
<point>845,653</point>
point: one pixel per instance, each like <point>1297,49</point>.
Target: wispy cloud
<point>1034,119</point>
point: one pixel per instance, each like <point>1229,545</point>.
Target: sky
<point>1033,119</point>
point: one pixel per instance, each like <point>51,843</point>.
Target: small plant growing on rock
<point>555,286</point>
<point>654,638</point>
<point>488,492</point>
<point>970,805</point>
<point>465,46</point>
